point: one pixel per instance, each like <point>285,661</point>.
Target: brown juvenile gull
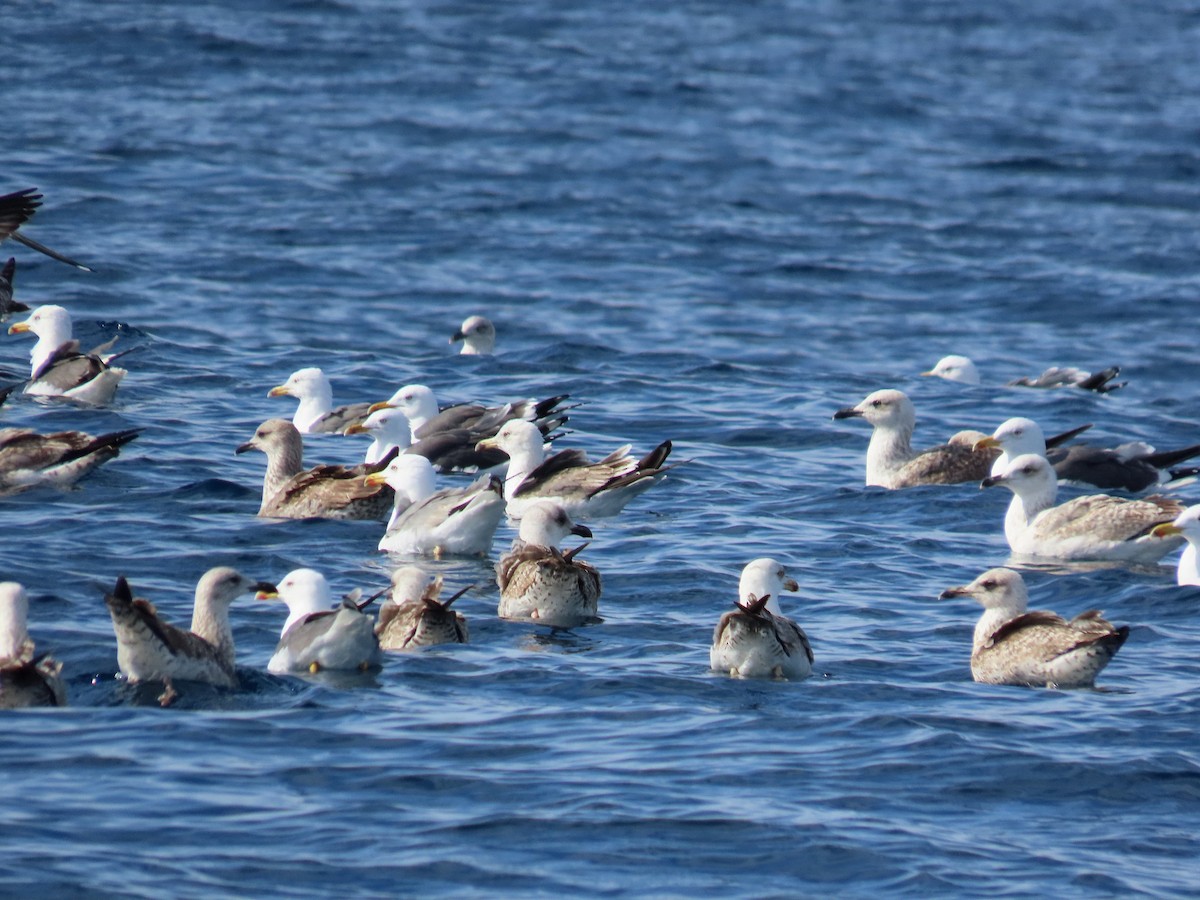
<point>1035,649</point>
<point>15,210</point>
<point>25,678</point>
<point>414,617</point>
<point>757,640</point>
<point>315,413</point>
<point>541,583</point>
<point>585,489</point>
<point>316,636</point>
<point>478,335</point>
<point>150,649</point>
<point>1131,467</point>
<point>1096,526</point>
<point>29,459</point>
<point>962,369</point>
<point>326,492</point>
<point>1187,525</point>
<point>8,305</point>
<point>58,368</point>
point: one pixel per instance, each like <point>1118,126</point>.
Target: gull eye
<point>989,585</point>
<point>877,403</point>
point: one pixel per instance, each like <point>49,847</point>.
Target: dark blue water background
<point>713,222</point>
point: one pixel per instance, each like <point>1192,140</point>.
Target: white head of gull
<point>1035,649</point>
<point>412,479</point>
<point>417,402</point>
<point>52,327</point>
<point>58,367</point>
<point>478,335</point>
<point>25,680</point>
<point>1015,437</point>
<point>955,368</point>
<point>1187,525</point>
<point>756,640</point>
<point>388,428</point>
<point>1096,526</point>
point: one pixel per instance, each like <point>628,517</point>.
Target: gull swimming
<point>478,336</point>
<point>315,413</point>
<point>25,679</point>
<point>540,582</point>
<point>388,429</point>
<point>8,305</point>
<point>58,368</point>
<point>757,640</point>
<point>451,521</point>
<point>962,369</point>
<point>315,636</point>
<point>327,492</point>
<point>15,210</point>
<point>414,617</point>
<point>1097,526</point>
<point>1034,649</point>
<point>29,459</point>
<point>151,649</point>
<point>585,489</point>
<point>1186,525</point>
<point>1133,467</point>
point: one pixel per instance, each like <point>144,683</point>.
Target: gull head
<point>272,434</point>
<point>515,437</point>
<point>310,382</point>
<point>478,335</point>
<point>409,475</point>
<point>1029,473</point>
<point>1187,524</point>
<point>994,589</point>
<point>762,577</point>
<point>1016,437</point>
<point>49,323</point>
<point>955,368</point>
<point>222,585</point>
<point>888,409</point>
<point>546,524</point>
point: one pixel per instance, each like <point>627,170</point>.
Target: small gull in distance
<point>1093,527</point>
<point>327,491</point>
<point>757,640</point>
<point>962,369</point>
<point>26,679</point>
<point>586,489</point>
<point>1131,467</point>
<point>413,616</point>
<point>29,459</point>
<point>151,649</point>
<point>15,210</point>
<point>317,637</point>
<point>478,336</point>
<point>58,368</point>
<point>315,413</point>
<point>1186,525</point>
<point>1014,646</point>
<point>541,583</point>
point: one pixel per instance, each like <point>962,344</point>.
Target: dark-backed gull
<point>962,370</point>
<point>315,413</point>
<point>58,368</point>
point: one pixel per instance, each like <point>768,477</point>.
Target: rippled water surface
<point>716,223</point>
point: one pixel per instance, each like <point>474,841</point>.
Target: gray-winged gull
<point>757,640</point>
<point>315,413</point>
<point>414,616</point>
<point>29,459</point>
<point>388,429</point>
<point>585,489</point>
<point>327,492</point>
<point>478,336</point>
<point>316,636</point>
<point>150,649</point>
<point>540,582</point>
<point>1096,526</point>
<point>1187,525</point>
<point>1131,467</point>
<point>1035,649</point>
<point>25,678</point>
<point>962,369</point>
<point>15,210</point>
<point>58,368</point>
<point>451,521</point>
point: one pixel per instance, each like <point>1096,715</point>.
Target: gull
<point>586,489</point>
<point>15,210</point>
<point>1034,649</point>
<point>478,335</point>
<point>1133,467</point>
<point>315,413</point>
<point>388,429</point>
<point>29,459</point>
<point>425,418</point>
<point>327,492</point>
<point>25,679</point>
<point>962,370</point>
<point>424,520</point>
<point>541,583</point>
<point>414,617</point>
<point>1186,525</point>
<point>1096,526</point>
<point>315,636</point>
<point>8,305</point>
<point>58,368</point>
<point>150,649</point>
<point>757,640</point>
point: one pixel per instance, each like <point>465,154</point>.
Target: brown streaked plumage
<point>29,459</point>
<point>541,583</point>
<point>414,617</point>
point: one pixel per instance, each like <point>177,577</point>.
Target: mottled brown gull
<point>328,491</point>
<point>413,616</point>
<point>59,459</point>
<point>757,640</point>
<point>1036,649</point>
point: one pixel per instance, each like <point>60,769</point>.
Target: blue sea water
<point>710,222</point>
